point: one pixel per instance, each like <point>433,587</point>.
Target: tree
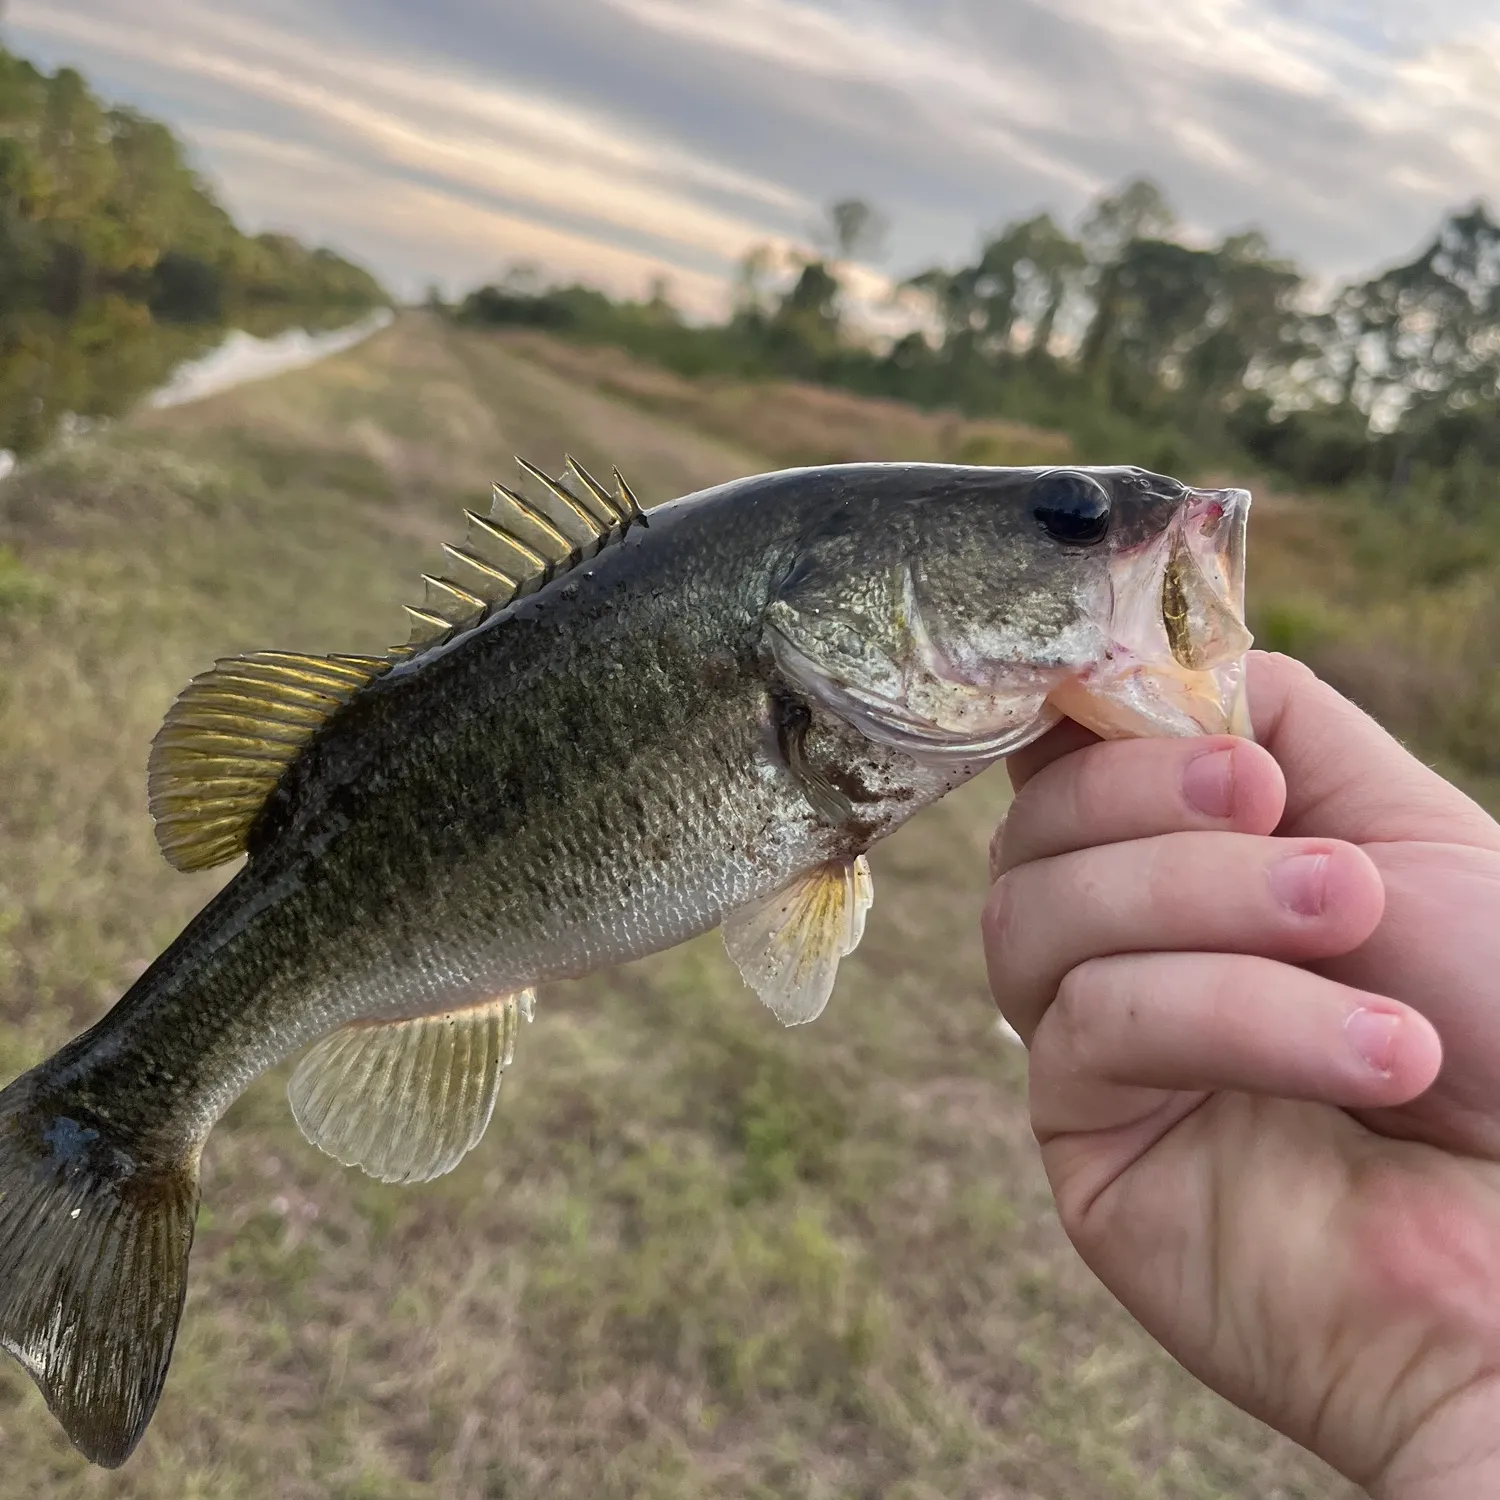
<point>806,325</point>
<point>855,229</point>
<point>108,239</point>
<point>1116,221</point>
<point>808,322</point>
<point>1023,278</point>
<point>1137,211</point>
<point>1420,339</point>
<point>1052,264</point>
<point>752,296</point>
<point>1255,331</point>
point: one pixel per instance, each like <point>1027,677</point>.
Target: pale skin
<point>1260,989</point>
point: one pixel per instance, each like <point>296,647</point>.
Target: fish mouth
<point>1175,663</point>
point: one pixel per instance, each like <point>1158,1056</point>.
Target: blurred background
<point>282,290</point>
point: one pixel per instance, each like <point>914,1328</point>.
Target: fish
<point>611,729</point>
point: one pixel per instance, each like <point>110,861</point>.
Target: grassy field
<point>696,1255</point>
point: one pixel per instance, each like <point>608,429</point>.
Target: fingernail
<point>1301,883</point>
<point>1372,1034</point>
<point>1208,783</point>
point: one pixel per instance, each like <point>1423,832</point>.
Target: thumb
<point>1346,777</point>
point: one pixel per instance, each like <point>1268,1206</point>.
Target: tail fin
<point>94,1244</point>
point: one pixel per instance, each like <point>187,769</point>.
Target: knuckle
<point>1022,810</point>
<point>1162,881</point>
<point>1093,787</point>
<point>1293,681</point>
<point>1079,788</point>
<point>1074,1014</point>
<point>1292,668</point>
<point>1056,801</point>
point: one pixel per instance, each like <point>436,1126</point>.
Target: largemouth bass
<point>612,730</point>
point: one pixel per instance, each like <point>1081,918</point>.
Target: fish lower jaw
<point>1127,697</point>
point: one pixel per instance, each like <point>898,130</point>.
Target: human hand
<point>1265,1071</point>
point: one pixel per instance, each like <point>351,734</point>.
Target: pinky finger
<point>1124,1030</point>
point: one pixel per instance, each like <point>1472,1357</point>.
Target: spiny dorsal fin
<point>233,731</point>
<point>228,740</point>
<point>627,498</point>
<point>604,502</point>
<point>593,528</point>
<point>520,546</point>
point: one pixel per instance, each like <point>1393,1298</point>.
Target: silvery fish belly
<point>612,729</point>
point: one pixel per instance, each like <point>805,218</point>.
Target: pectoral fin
<point>787,947</point>
<point>406,1101</point>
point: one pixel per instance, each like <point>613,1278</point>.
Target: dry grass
<point>1400,609</point>
<point>696,1255</point>
<point>791,421</point>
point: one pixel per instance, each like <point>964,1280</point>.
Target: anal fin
<point>787,946</point>
<point>406,1101</point>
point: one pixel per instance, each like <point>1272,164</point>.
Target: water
<point>242,357</point>
<point>51,371</point>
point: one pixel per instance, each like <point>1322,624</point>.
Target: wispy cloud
<point>354,205</point>
<point>420,153</point>
<point>622,138</point>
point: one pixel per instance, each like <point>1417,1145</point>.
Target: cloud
<point>481,144</point>
<point>334,203</point>
<point>623,138</point>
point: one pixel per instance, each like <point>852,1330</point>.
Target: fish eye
<point>1072,508</point>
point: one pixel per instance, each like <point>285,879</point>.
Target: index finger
<point>1347,778</point>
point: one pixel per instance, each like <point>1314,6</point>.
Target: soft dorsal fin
<point>229,738</point>
<point>520,546</point>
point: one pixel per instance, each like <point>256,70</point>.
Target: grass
<point>1399,607</point>
<point>793,422</point>
<point>696,1255</point>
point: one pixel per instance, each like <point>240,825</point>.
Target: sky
<point>619,140</point>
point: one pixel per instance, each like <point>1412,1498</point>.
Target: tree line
<point>1128,336</point>
<point>117,260</point>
